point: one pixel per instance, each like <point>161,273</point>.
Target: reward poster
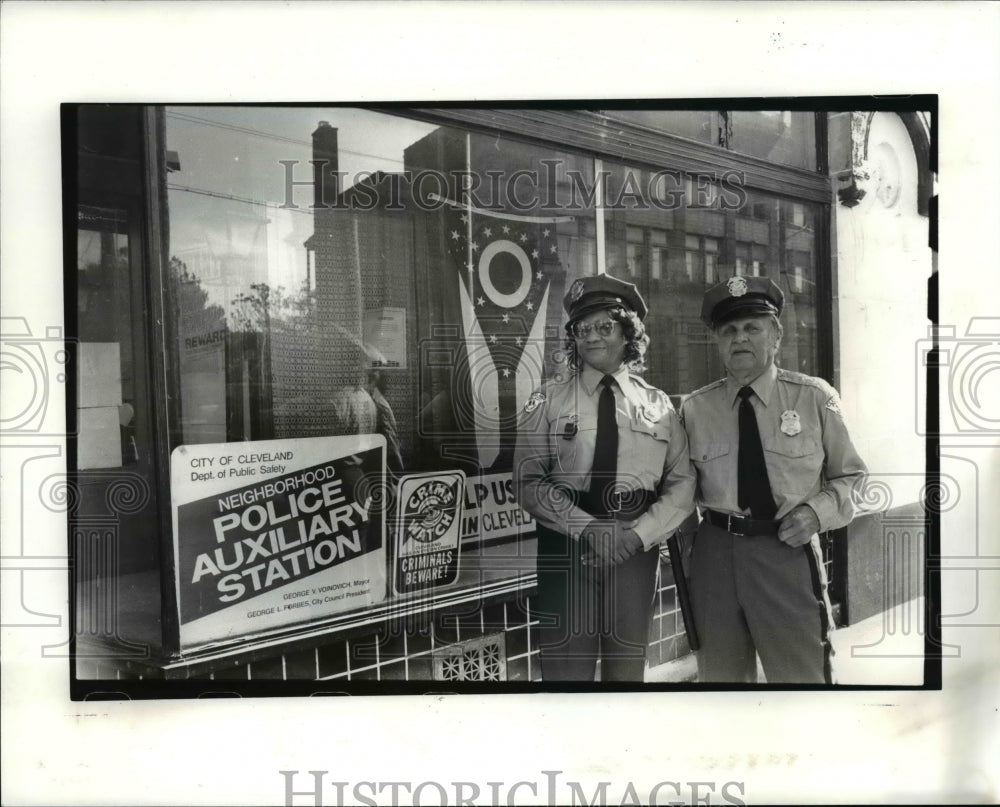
<point>275,532</point>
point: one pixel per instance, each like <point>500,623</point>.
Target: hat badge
<point>737,286</point>
<point>576,290</point>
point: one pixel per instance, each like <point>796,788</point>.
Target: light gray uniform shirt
<point>557,431</point>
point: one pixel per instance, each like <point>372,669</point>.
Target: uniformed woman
<point>602,465</point>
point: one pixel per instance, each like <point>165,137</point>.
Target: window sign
<point>276,532</point>
<point>385,337</point>
<point>429,520</point>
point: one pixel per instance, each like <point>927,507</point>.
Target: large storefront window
<point>383,293</point>
<point>311,331</point>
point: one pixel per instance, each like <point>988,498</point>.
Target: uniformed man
<point>775,467</point>
<point>602,464</point>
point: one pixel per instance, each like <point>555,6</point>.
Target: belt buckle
<point>615,505</point>
<point>729,525</point>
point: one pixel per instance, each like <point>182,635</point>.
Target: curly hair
<point>636,340</point>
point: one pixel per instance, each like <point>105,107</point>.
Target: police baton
<point>683,597</point>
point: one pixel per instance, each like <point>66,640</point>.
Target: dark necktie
<point>604,471</point>
<point>754,488</point>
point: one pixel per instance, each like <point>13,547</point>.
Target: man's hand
<point>629,543</point>
<point>799,526</point>
<point>609,543</point>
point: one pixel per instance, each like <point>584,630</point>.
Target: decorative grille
<point>482,659</point>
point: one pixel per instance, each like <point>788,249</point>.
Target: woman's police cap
<point>741,297</point>
<point>588,294</point>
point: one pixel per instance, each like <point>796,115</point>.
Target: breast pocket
<point>646,454</point>
<point>794,463</point>
<point>573,437</point>
<point>709,450</point>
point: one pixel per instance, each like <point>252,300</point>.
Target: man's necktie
<point>754,488</point>
<point>605,468</point>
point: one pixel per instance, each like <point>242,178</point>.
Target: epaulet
<point>829,396</point>
<point>654,395</point>
<point>638,379</point>
<point>556,383</point>
<point>707,388</point>
<point>805,380</point>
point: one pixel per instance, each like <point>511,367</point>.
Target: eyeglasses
<point>581,330</point>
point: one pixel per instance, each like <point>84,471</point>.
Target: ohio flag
<point>504,265</point>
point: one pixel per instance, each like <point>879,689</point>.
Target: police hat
<point>741,297</point>
<point>589,294</point>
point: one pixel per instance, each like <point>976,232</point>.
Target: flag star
<point>534,253</point>
<point>470,266</point>
<point>530,305</point>
<point>480,301</point>
<point>506,372</point>
<point>552,248</point>
<point>454,235</point>
<point>506,318</point>
<point>493,338</point>
<point>474,246</point>
<point>488,232</point>
<point>539,275</point>
<point>523,238</point>
<point>518,341</point>
<point>506,229</point>
<point>464,218</point>
<point>545,232</point>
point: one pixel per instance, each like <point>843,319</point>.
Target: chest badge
<point>790,423</point>
<point>652,412</point>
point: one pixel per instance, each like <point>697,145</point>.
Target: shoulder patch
<point>833,404</point>
<point>537,399</point>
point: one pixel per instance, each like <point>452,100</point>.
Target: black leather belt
<point>741,525</point>
<point>628,505</point>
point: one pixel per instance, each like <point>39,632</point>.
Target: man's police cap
<point>741,297</point>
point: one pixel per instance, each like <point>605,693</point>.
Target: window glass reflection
<point>700,125</point>
<point>337,271</point>
<point>779,136</point>
<point>706,236</point>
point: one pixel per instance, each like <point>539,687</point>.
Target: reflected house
<point>359,260</point>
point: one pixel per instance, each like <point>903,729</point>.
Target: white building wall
<point>884,263</point>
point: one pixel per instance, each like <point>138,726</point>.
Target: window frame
<point>580,131</point>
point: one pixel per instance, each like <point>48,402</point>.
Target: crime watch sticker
<point>428,529</point>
